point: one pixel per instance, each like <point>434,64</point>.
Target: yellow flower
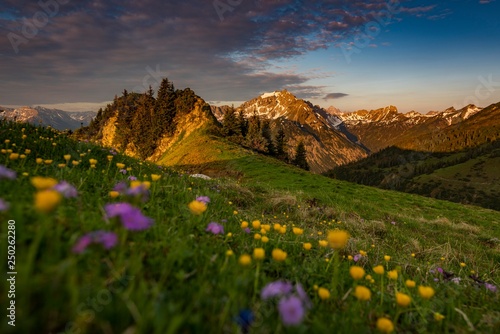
<point>43,183</point>
<point>357,272</point>
<point>61,165</point>
<point>22,156</point>
<point>323,243</point>
<point>259,253</point>
<point>402,299</point>
<point>74,163</point>
<point>266,227</point>
<point>109,157</point>
<point>297,231</point>
<point>14,156</point>
<point>235,212</point>
<point>426,292</point>
<point>338,239</point>
<point>47,200</point>
<point>256,224</point>
<point>129,169</point>
<point>229,252</point>
<point>277,227</point>
<point>412,254</point>
<point>307,245</point>
<point>67,157</point>
<point>264,239</point>
<point>263,231</point>
<point>155,177</point>
<point>368,277</point>
<point>245,260</point>
<point>283,230</point>
<point>244,224</point>
<point>114,194</point>
<point>387,258</point>
<point>93,161</point>
<point>197,207</point>
<point>323,293</point>
<point>462,264</point>
<point>393,274</point>
<point>349,257</point>
<point>411,284</point>
<point>25,174</point>
<point>379,270</point>
<point>278,254</point>
<point>6,141</point>
<point>362,253</point>
<point>47,162</point>
<point>385,325</point>
<point>120,165</point>
<point>257,236</point>
<point>362,293</point>
<point>438,316</point>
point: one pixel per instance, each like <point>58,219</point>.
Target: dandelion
<point>4,206</point>
<point>43,183</point>
<point>410,284</point>
<point>259,253</point>
<point>215,228</point>
<point>130,216</point>
<point>438,316</point>
<point>356,272</point>
<point>197,207</point>
<point>323,293</point>
<point>350,258</point>
<point>307,245</point>
<point>278,255</point>
<point>426,292</point>
<point>362,293</point>
<point>6,173</point>
<point>413,255</point>
<point>282,230</point>
<point>385,325</point>
<point>256,224</point>
<point>338,239</point>
<point>323,243</point>
<point>393,274</point>
<point>47,200</point>
<point>387,258</point>
<point>107,239</point>
<point>245,260</point>
<point>66,189</point>
<point>203,199</point>
<point>276,289</point>
<point>291,310</point>
<point>297,231</point>
<point>403,299</point>
<point>379,270</point>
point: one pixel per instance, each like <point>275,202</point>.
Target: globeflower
<point>393,274</point>
<point>307,245</point>
<point>47,200</point>
<point>278,255</point>
<point>362,293</point>
<point>256,224</point>
<point>338,239</point>
<point>107,239</point>
<point>245,260</point>
<point>197,207</point>
<point>323,293</point>
<point>120,165</point>
<point>385,325</point>
<point>14,156</point>
<point>155,177</point>
<point>379,270</point>
<point>323,243</point>
<point>410,284</point>
<point>43,183</point>
<point>297,231</point>
<point>387,258</point>
<point>356,272</point>
<point>244,224</point>
<point>426,292</point>
<point>259,253</point>
<point>403,299</point>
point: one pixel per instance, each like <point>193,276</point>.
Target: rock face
<point>328,143</point>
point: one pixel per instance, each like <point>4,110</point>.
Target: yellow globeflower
<point>264,239</point>
<point>323,243</point>
<point>93,161</point>
<point>47,162</point>
<point>245,260</point>
<point>259,253</point>
<point>379,270</point>
<point>120,165</point>
<point>74,163</point>
<point>357,272</point>
<point>256,224</point>
<point>462,264</point>
<point>277,227</point>
<point>387,258</point>
<point>263,231</point>
<point>278,254</point>
<point>47,200</point>
<point>349,257</point>
<point>229,252</point>
<point>61,165</point>
<point>338,239</point>
<point>385,325</point>
<point>114,194</point>
<point>109,157</point>
<point>411,284</point>
<point>266,227</point>
<point>283,230</point>
<point>426,292</point>
<point>323,293</point>
<point>257,236</point>
<point>403,299</point>
<point>197,207</point>
<point>14,156</point>
<point>297,231</point>
<point>307,245</point>
<point>362,293</point>
<point>244,224</point>
<point>67,157</point>
<point>393,274</point>
<point>438,316</point>
<point>43,183</point>
<point>155,177</point>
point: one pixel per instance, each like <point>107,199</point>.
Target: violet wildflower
<point>490,287</point>
<point>274,289</point>
<point>291,310</point>
<point>132,178</point>
<point>393,223</point>
<point>4,206</point>
<point>120,187</point>
<point>247,230</point>
<point>130,216</point>
<point>107,239</point>
<point>6,173</point>
<point>357,257</point>
<point>215,228</point>
<point>123,171</point>
<point>140,190</point>
<point>66,189</point>
<point>203,199</point>
<point>303,295</point>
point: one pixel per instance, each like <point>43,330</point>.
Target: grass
<point>176,277</point>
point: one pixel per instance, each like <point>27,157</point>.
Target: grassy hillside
<point>179,275</point>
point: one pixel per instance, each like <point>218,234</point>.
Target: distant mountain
<point>58,119</point>
<point>328,143</point>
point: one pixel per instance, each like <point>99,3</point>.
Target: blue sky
<point>416,55</point>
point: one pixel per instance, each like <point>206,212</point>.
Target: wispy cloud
<point>333,96</point>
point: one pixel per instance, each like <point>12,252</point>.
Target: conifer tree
<point>230,123</point>
<point>165,107</point>
<point>281,152</point>
<point>301,156</point>
<point>266,134</point>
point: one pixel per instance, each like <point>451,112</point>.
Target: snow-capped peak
<point>266,95</point>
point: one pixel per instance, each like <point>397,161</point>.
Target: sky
<point>415,54</point>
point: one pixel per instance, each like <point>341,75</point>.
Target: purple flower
<point>224,221</point>
<point>203,199</point>
<point>440,270</point>
<point>132,178</point>
<point>4,206</point>
<point>6,173</point>
<point>278,288</point>
<point>107,239</point>
<point>130,216</point>
<point>303,295</point>
<point>123,171</point>
<point>66,189</point>
<point>357,257</point>
<point>140,190</point>
<point>215,228</point>
<point>121,187</point>
<point>291,310</point>
<point>247,230</point>
<point>393,223</point>
<point>490,287</point>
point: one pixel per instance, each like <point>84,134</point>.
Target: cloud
<point>332,96</point>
